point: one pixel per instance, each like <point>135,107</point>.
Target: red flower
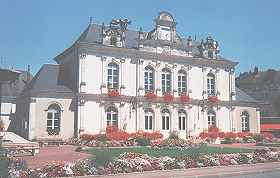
<point>213,99</point>
<point>113,93</point>
<point>203,135</point>
<point>111,128</point>
<point>184,98</point>
<point>151,96</point>
<point>213,129</point>
<point>168,97</point>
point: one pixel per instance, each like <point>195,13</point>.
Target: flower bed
<point>114,138</point>
<point>137,162</point>
<point>234,137</point>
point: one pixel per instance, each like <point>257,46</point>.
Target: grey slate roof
<point>93,34</point>
<point>49,79</point>
<point>244,97</point>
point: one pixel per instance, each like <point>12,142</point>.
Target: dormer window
<point>210,54</point>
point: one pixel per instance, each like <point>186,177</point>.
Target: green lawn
<point>171,152</point>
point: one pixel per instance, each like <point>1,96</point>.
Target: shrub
<point>102,158</point>
<point>227,140</point>
<point>173,135</point>
<point>258,137</point>
<point>142,141</point>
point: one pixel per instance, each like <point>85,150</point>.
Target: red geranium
<point>168,97</point>
<point>213,99</point>
<point>111,128</point>
<point>151,96</point>
<point>113,93</point>
<point>213,129</point>
<point>184,98</point>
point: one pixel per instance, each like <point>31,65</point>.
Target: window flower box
<point>213,99</point>
<point>184,98</point>
<point>168,97</point>
<point>151,96</point>
<point>113,93</point>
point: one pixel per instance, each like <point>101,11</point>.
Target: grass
<point>171,152</point>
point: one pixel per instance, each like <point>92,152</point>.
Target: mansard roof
<point>241,96</point>
<point>49,81</point>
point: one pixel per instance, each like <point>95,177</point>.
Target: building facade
<point>136,80</point>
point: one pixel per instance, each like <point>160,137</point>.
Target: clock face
<point>164,34</point>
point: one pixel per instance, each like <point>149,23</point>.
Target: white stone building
<point>71,96</point>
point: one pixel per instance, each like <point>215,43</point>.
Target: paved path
<point>51,154</point>
<point>211,172</point>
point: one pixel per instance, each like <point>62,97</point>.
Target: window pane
<point>184,123</point>
<point>49,115</point>
<point>151,123</point>
<point>163,123</point>
<point>146,122</point>
<point>179,123</point>
<point>167,123</point>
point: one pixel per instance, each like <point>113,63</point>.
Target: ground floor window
<point>245,121</point>
<point>182,120</point>
<point>211,118</point>
<point>165,122</point>
<point>53,119</point>
<point>112,116</point>
<point>148,120</point>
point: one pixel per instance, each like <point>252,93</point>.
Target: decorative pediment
<point>115,34</point>
<point>209,49</point>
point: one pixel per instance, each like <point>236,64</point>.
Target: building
<point>136,80</point>
<point>12,84</point>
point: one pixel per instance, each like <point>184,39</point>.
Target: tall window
<point>211,118</point>
<point>53,119</point>
<point>182,82</point>
<point>245,121</point>
<point>165,122</point>
<point>149,119</point>
<point>166,80</point>
<point>149,79</point>
<point>210,84</point>
<point>113,76</point>
<point>182,120</point>
<point>112,116</point>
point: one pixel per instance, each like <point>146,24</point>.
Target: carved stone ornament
<point>116,31</point>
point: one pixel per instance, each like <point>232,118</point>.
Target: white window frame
<point>166,80</point>
<point>113,76</point>
<point>182,83</point>
<point>149,120</point>
<point>182,120</point>
<point>165,120</point>
<point>149,79</point>
<point>211,119</point>
<point>211,84</point>
<point>245,121</point>
<point>112,116</point>
<point>54,117</point>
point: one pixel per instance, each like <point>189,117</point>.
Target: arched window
<point>53,119</point>
<point>245,121</point>
<point>149,81</point>
<point>211,84</point>
<point>113,76</point>
<point>211,118</point>
<point>182,82</point>
<point>165,122</point>
<point>182,120</point>
<point>166,80</point>
<point>112,116</point>
<point>149,119</point>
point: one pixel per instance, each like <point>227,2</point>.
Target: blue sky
<point>35,31</point>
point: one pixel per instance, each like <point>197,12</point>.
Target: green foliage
<point>101,138</point>
<point>171,152</point>
<point>102,158</point>
<point>142,141</point>
<point>173,135</point>
<point>227,140</point>
<point>258,138</point>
